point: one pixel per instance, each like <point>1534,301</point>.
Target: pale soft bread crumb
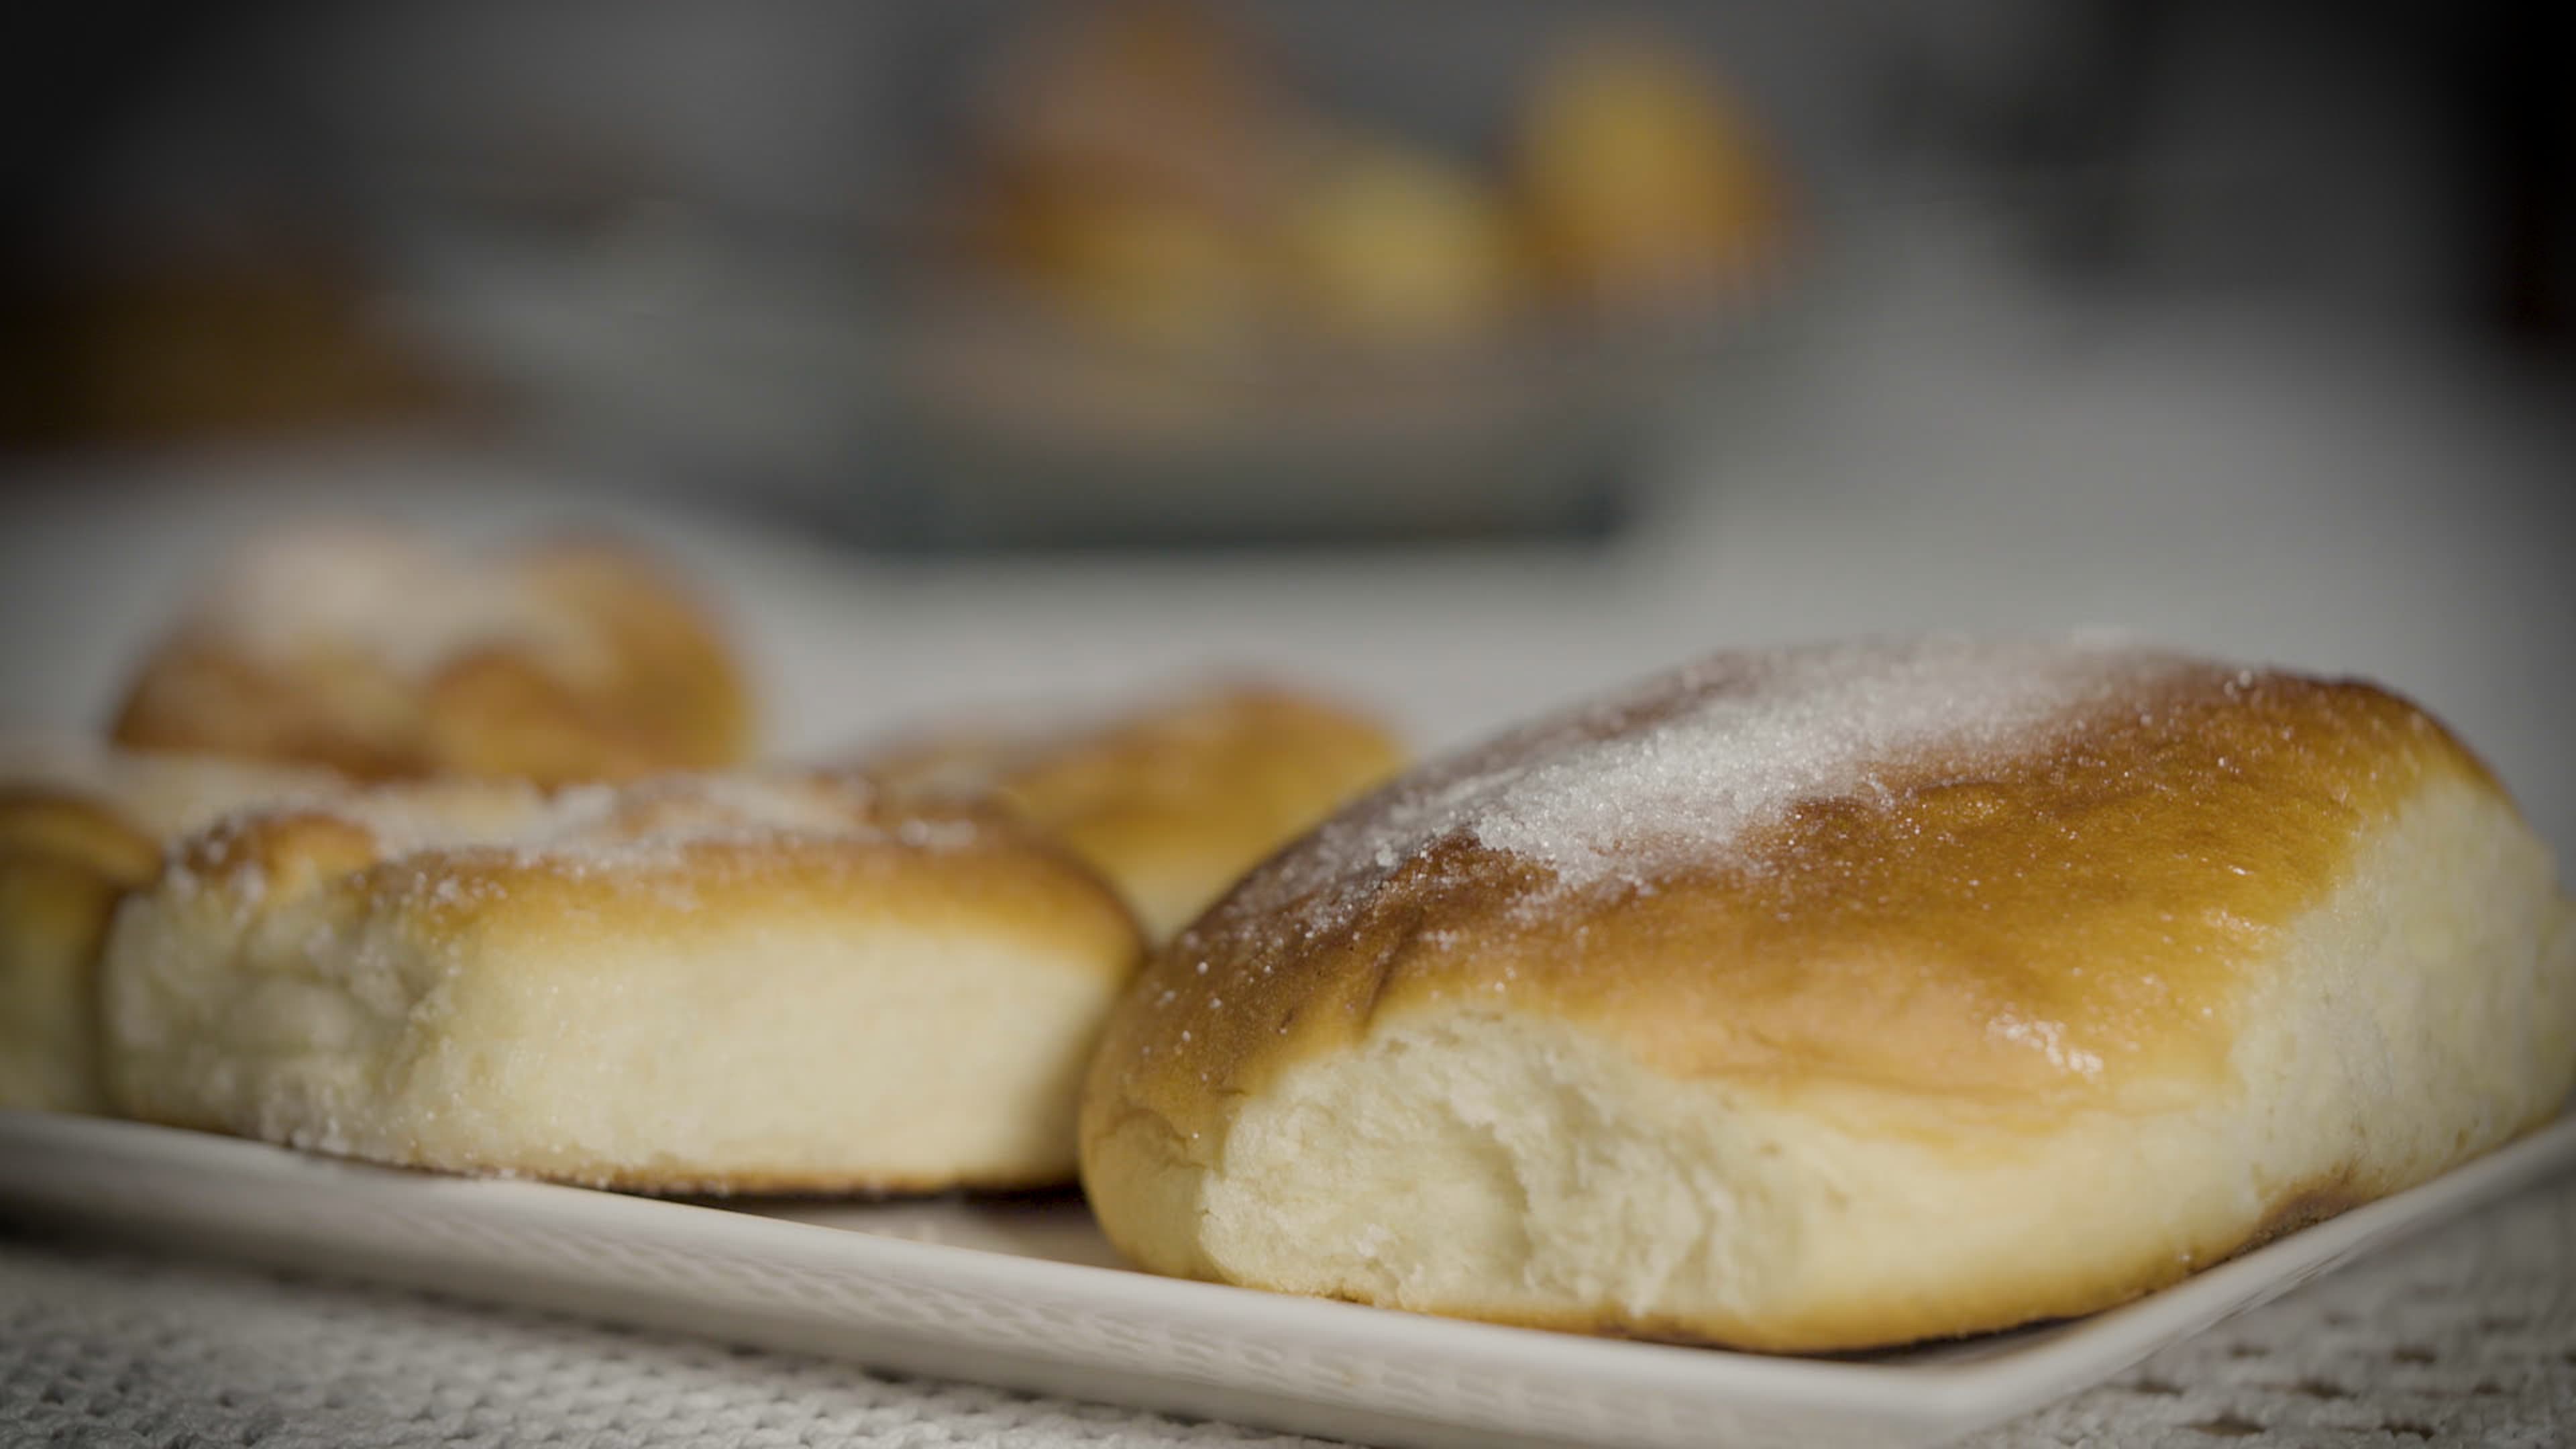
<point>1510,1166</point>
<point>683,985</point>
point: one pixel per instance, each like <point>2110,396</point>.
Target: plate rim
<point>1954,1396</point>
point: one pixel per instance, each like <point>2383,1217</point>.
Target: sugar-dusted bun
<point>1173,798</point>
<point>1845,996</point>
<point>79,826</point>
<point>698,984</point>
<point>376,654</point>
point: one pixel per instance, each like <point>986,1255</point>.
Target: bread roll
<point>1647,186</point>
<point>378,655</point>
<point>1128,159</point>
<point>1392,245</point>
<point>80,826</point>
<point>682,985</point>
<point>1172,799</point>
<point>1839,997</point>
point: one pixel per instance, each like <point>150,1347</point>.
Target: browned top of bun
<point>384,658</point>
<point>1172,798</point>
<point>664,855</point>
<point>2000,871</point>
<point>109,810</point>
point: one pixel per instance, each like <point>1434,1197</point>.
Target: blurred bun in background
<point>1125,164</point>
<point>386,656</point>
<point>1196,292</point>
<point>1148,169</point>
<point>1648,187</point>
<point>1393,245</point>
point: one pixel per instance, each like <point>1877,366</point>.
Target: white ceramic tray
<point>1026,1294</point>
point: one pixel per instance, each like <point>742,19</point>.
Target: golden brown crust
<point>677,684</point>
<point>76,829</point>
<point>2071,920</point>
<point>54,911</point>
<point>1171,800</point>
<point>192,695</point>
<point>662,855</point>
<point>574,661</point>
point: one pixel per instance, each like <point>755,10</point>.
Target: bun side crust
<point>682,986</point>
<point>40,822</point>
<point>53,912</point>
<point>2204,952</point>
<point>65,857</point>
<point>80,826</point>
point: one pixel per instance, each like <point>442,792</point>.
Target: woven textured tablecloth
<point>2464,1336</point>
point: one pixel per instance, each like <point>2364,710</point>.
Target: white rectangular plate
<point>1027,1295</point>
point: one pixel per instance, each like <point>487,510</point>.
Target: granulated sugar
<point>385,597</point>
<point>1676,771</point>
<point>649,827</point>
<point>408,819</point>
<point>1755,734</point>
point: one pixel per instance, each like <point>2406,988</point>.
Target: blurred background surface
<point>1461,354</point>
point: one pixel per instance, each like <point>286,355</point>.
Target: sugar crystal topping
<point>388,597</point>
<point>1677,771</point>
<point>647,827</point>
<point>600,822</point>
